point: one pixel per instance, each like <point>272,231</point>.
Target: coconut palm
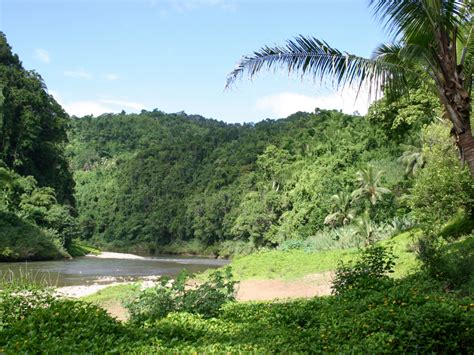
<point>365,229</point>
<point>413,159</point>
<point>342,211</point>
<point>369,182</point>
<point>431,45</point>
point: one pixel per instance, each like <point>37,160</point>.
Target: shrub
<point>451,263</point>
<point>176,296</point>
<point>18,299</point>
<point>369,272</point>
<point>23,240</point>
<point>65,326</point>
<point>443,187</point>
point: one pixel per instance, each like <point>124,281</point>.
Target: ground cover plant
<point>371,312</point>
<point>179,296</point>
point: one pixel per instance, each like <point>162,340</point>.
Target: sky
<point>99,56</point>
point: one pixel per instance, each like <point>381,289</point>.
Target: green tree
<point>413,159</point>
<point>370,187</point>
<point>342,211</point>
<point>432,45</point>
<point>32,127</point>
<point>442,188</point>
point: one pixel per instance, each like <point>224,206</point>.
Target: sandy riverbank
<point>249,290</point>
<point>111,255</point>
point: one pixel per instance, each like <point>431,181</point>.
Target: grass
<point>404,248</point>
<point>295,264</point>
<point>287,265</point>
<point>79,248</point>
<point>113,294</point>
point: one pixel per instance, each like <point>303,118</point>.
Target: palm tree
<point>432,45</point>
<point>369,181</point>
<point>366,229</point>
<point>342,211</point>
<point>413,159</point>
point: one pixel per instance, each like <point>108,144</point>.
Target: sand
<point>110,255</point>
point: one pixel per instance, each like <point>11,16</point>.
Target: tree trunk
<point>466,145</point>
<point>457,102</point>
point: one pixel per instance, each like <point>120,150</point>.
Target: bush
<point>176,296</point>
<point>66,326</point>
<point>460,225</point>
<point>451,264</point>
<point>411,316</point>
<point>443,187</point>
<point>21,240</point>
<point>367,273</point>
<point>19,299</point>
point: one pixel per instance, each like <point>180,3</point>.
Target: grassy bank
<point>429,310</point>
<point>80,248</point>
<point>295,264</point>
<point>412,314</point>
<point>21,240</point>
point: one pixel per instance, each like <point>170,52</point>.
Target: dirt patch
<point>311,285</point>
<point>116,310</point>
<point>264,290</point>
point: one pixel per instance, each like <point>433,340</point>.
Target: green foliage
<point>319,254</point>
<point>369,187</point>
<point>443,187</point>
<point>79,248</point>
<point>32,127</point>
<point>22,240</point>
<point>32,224</point>
<point>342,211</point>
<point>19,298</point>
<point>449,263</point>
<point>113,294</point>
<point>458,226</point>
<point>65,326</point>
<point>35,181</point>
<point>369,272</point>
<point>178,296</point>
<point>159,181</point>
<point>399,115</point>
<point>410,316</point>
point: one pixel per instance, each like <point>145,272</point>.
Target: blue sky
<point>174,55</point>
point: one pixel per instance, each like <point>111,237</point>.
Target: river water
<point>89,270</point>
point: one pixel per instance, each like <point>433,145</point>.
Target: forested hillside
<point>183,183</point>
<point>36,185</point>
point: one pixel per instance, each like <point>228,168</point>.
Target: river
<point>90,270</point>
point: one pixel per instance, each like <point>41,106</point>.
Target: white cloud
<point>123,104</point>
<point>112,76</point>
<point>286,103</point>
<point>42,55</point>
<point>98,107</point>
<point>78,74</point>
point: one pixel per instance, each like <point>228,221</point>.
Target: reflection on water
<point>85,270</point>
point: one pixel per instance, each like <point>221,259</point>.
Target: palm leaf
<point>308,55</point>
<point>407,18</point>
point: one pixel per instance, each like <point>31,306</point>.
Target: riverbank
<point>248,290</point>
<point>112,296</point>
<point>113,255</point>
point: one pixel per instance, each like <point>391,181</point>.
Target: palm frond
<point>407,18</point>
<point>308,55</point>
<point>466,56</point>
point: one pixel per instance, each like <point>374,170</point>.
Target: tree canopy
<point>431,45</point>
